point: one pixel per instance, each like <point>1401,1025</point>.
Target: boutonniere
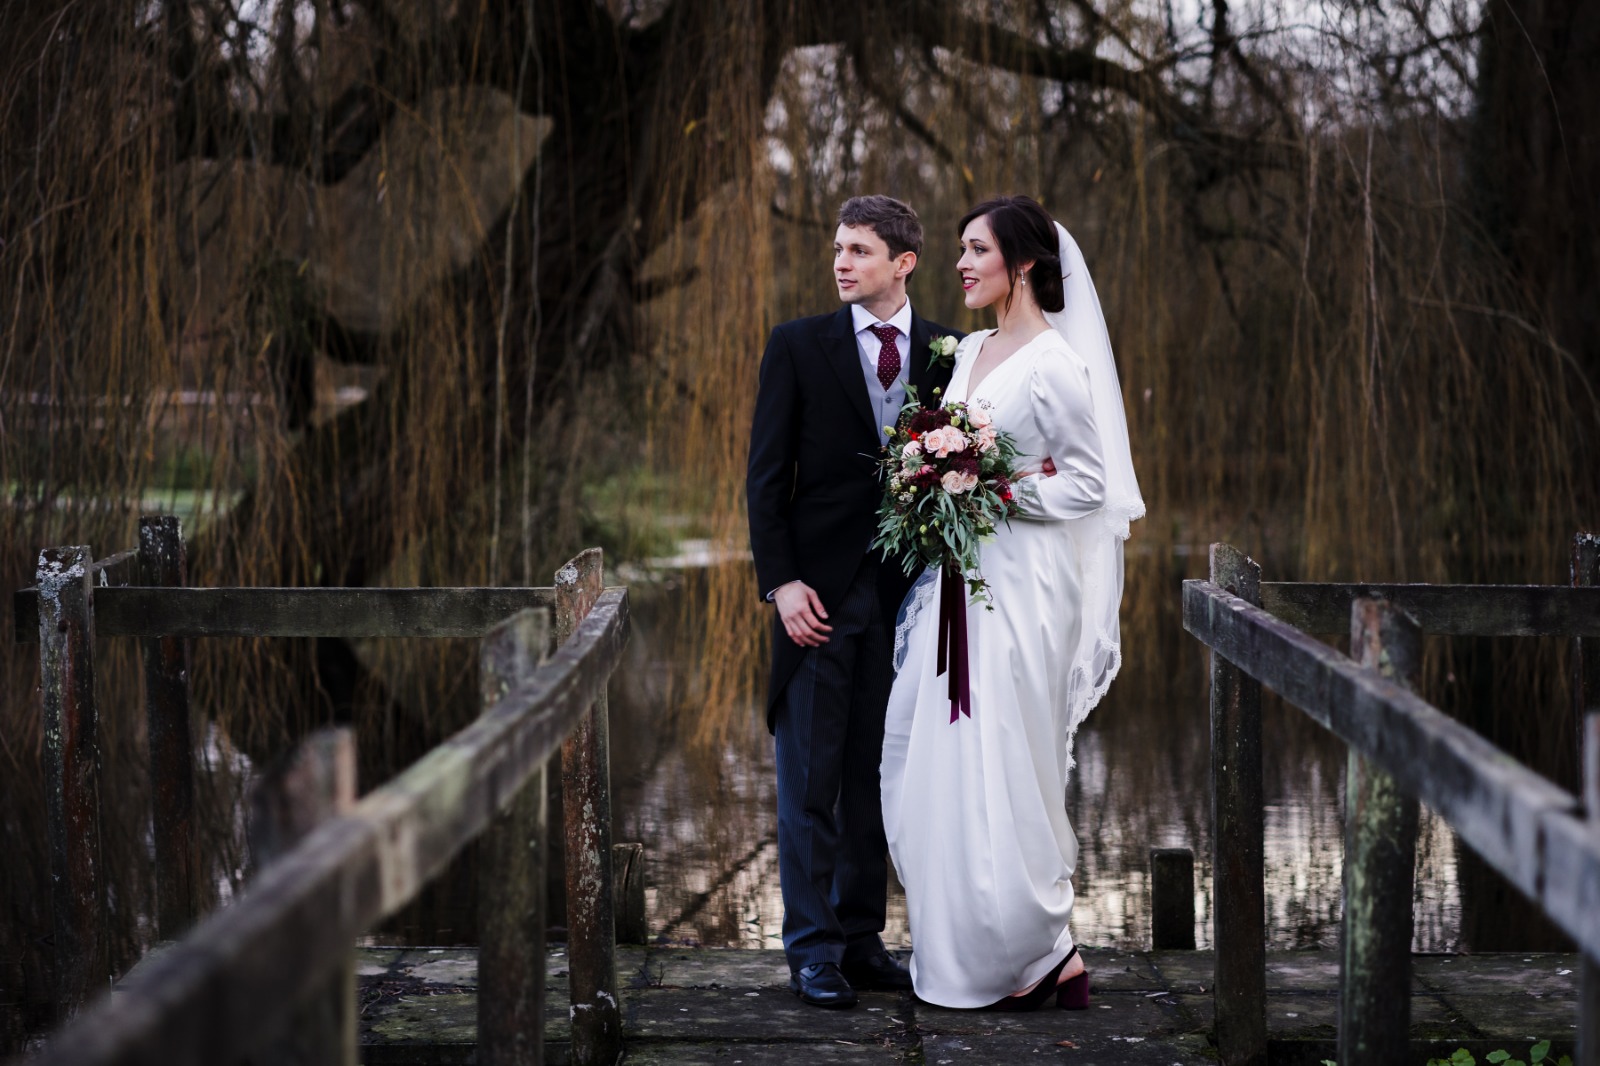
<point>941,351</point>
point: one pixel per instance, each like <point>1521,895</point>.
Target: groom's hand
<point>802,614</point>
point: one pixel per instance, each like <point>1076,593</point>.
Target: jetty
<point>724,1006</point>
<point>276,975</point>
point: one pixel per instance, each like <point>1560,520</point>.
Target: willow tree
<point>539,243</point>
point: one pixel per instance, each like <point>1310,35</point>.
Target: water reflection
<point>1143,766</point>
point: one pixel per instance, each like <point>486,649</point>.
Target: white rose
<point>911,450</point>
<point>986,438</point>
<point>979,416</point>
<point>955,483</point>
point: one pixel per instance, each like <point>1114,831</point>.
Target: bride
<point>974,807</point>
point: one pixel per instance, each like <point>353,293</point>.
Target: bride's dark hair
<point>1024,230</point>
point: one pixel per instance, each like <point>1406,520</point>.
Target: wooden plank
<point>1172,899</point>
<point>1589,989</point>
<point>293,612</point>
<point>163,563</point>
<point>1520,823</point>
<point>313,784</point>
<point>1586,708</point>
<point>225,985</point>
<point>1379,863</point>
<point>71,752</point>
<point>586,811</point>
<point>115,571</point>
<point>1238,838</point>
<point>514,853</point>
<point>1443,610</point>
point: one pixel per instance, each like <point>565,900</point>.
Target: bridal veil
<point>1098,537</point>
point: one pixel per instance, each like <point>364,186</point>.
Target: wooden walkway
<point>272,976</point>
<point>731,1008</point>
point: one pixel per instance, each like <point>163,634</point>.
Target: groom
<point>829,386</point>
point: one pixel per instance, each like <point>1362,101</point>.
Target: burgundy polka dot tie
<point>888,355</point>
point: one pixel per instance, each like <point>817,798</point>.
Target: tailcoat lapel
<point>919,374</point>
<point>843,354</point>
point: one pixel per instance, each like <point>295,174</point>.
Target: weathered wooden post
<point>1589,989</point>
<point>1586,694</point>
<point>514,853</point>
<point>628,873</point>
<point>586,809</point>
<point>314,783</point>
<point>1238,830</point>
<point>1379,862</point>
<point>162,562</point>
<point>1172,899</point>
<point>72,773</point>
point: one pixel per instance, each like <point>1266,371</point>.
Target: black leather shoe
<point>822,985</point>
<point>882,970</point>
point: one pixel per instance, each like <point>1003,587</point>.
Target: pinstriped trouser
<point>832,856</point>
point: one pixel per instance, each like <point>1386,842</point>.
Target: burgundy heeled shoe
<point>1073,993</point>
<point>1035,997</point>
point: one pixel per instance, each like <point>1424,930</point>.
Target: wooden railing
<point>1542,839</point>
<point>273,972</point>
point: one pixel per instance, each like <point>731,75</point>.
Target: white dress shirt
<point>870,345</point>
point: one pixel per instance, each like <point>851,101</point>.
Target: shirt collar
<point>861,318</point>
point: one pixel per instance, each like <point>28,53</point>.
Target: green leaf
<point>1497,1056</point>
<point>1538,1051</point>
<point>1463,1057</point>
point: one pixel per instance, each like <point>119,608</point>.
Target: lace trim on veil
<point>911,608</point>
<point>1092,674</point>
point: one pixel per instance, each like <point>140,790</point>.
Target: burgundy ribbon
<point>953,640</point>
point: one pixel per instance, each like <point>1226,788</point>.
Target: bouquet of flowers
<point>947,485</point>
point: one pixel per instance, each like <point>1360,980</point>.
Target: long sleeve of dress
<point>1063,411</point>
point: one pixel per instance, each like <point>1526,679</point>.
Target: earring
<point>1024,279</point>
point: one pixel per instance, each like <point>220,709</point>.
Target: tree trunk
<point>1538,159</point>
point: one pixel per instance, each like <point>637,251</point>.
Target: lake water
<point>708,821</point>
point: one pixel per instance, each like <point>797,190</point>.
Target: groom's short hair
<point>890,219</point>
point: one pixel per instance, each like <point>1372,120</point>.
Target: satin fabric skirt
<point>975,810</point>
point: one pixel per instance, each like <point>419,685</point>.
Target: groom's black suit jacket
<point>812,484</point>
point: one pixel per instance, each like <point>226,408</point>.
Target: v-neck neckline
<point>972,387</point>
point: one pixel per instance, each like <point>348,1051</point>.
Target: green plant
<point>1538,1053</point>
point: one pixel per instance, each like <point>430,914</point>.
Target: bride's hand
<point>1044,469</point>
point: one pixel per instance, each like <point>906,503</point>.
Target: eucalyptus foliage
<point>948,484</point>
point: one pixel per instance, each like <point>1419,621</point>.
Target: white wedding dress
<point>975,810</point>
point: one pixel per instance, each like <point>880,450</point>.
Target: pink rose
<point>986,437</point>
<point>944,440</point>
<point>979,416</point>
<point>955,483</point>
<point>911,450</point>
